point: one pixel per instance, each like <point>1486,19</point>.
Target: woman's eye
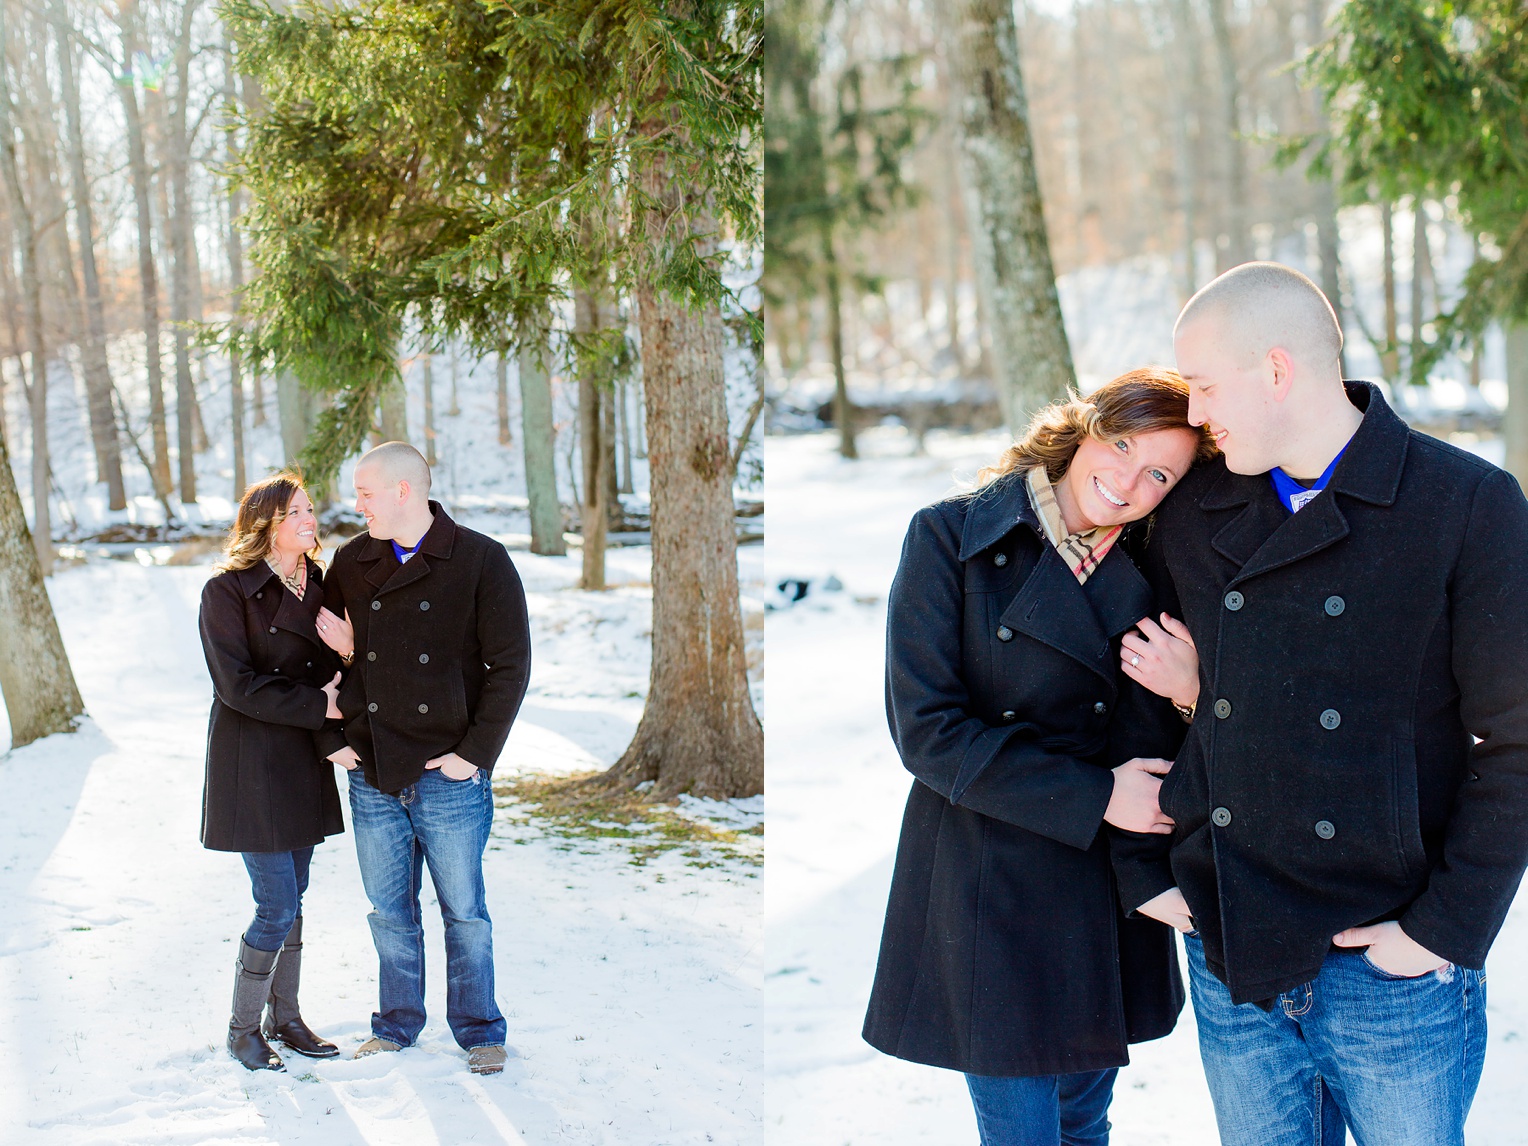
<point>1160,476</point>
<point>1122,446</point>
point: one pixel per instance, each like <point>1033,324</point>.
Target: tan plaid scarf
<point>1082,552</point>
<point>297,582</point>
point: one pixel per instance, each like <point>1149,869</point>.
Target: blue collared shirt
<point>1296,496</point>
<point>403,554</point>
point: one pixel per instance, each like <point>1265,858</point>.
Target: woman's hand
<point>1163,659</point>
<point>1133,804</point>
<point>1170,908</point>
<point>332,691</point>
<point>336,632</point>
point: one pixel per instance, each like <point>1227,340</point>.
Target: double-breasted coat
<point>1004,950</point>
<point>1350,655</point>
<point>268,788</point>
<point>442,651</point>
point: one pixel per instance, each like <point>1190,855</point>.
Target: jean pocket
<point>1444,973</point>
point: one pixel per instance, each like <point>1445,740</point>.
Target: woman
<point>1004,953</point>
<point>269,794</point>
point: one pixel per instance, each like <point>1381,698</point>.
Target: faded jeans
<point>1049,1110</point>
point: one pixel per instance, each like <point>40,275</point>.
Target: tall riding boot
<point>284,1024</point>
<point>251,985</point>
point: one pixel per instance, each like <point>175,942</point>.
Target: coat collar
<point>437,543</point>
<point>1265,536</point>
<point>253,579</point>
<point>994,511</point>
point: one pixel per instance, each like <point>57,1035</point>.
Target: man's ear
<point>403,491</point>
<point>1278,368</point>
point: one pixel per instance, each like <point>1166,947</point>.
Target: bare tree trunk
<point>622,397</point>
<point>31,293</point>
<point>843,409</point>
<point>178,224</point>
<point>1324,198</point>
<point>537,439</point>
<point>257,393</point>
<point>1516,423</point>
<point>1033,363</point>
<point>393,411</point>
<point>456,369</point>
<point>698,732</point>
<point>1239,250</point>
<point>1420,265</point>
<point>429,408</point>
<point>103,423</point>
<point>235,284</point>
<point>1188,99</point>
<point>588,319</point>
<point>147,278</point>
<point>501,380</point>
<point>297,407</point>
<point>614,514</point>
<point>1390,356</point>
<point>36,681</point>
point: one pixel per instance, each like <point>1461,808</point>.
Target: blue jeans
<point>277,880</point>
<point>1396,1059</point>
<point>443,823</point>
<point>1050,1110</point>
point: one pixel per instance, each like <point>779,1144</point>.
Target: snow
<point>836,790</point>
<point>632,991</point>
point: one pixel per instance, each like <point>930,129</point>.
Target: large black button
<point>424,658</point>
<point>1334,607</point>
<point>424,606</point>
<point>310,664</point>
<point>1235,600</point>
<point>1325,830</point>
<point>371,656</point>
<point>372,707</point>
<point>1330,719</point>
<point>273,628</point>
<point>259,595</point>
<point>1000,559</point>
<point>1221,816</point>
<point>1100,707</point>
<point>1222,708</point>
<point>1010,716</point>
<point>423,708</point>
<point>1004,633</point>
<point>375,605</point>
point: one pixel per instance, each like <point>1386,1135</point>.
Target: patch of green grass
<point>575,809</point>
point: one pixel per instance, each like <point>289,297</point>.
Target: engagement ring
<point>1135,661</point>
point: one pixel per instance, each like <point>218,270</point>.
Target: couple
<point>405,665</point>
<point>1322,615</point>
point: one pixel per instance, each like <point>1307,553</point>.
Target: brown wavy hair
<point>262,509</point>
<point>1137,402</point>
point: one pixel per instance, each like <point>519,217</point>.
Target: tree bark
<point>1516,422</point>
<point>698,732</point>
<point>843,409</point>
<point>393,411</point>
<point>537,439</point>
<point>147,278</point>
<point>588,317</point>
<point>501,380</point>
<point>429,408</point>
<point>623,430</point>
<point>36,682</point>
<point>1032,361</point>
<point>1420,264</point>
<point>31,294</point>
<point>179,227</point>
<point>297,407</point>
<point>235,284</point>
<point>1390,355</point>
<point>103,422</point>
<point>1239,249</point>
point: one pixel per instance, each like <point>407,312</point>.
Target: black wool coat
<point>1349,655</point>
<point>268,788</point>
<point>442,651</point>
<point>1004,950</point>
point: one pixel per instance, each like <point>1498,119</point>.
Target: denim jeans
<point>1396,1059</point>
<point>277,880</point>
<point>1050,1110</point>
<point>444,824</point>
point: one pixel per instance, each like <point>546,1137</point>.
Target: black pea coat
<point>1349,655</point>
<point>1004,950</point>
<point>268,789</point>
<point>442,651</point>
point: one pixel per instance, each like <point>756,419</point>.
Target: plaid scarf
<point>1082,552</point>
<point>297,582</point>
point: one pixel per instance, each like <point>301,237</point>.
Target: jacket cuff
<point>330,739</point>
<point>1442,938</point>
<point>1142,867</point>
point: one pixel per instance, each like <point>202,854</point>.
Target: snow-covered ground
<point>631,991</point>
<point>836,791</point>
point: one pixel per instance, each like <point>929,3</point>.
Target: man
<point>1351,802</point>
<point>434,617</point>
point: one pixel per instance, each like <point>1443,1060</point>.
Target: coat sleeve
<point>1145,725</point>
<point>992,770</point>
<point>1485,845</point>
<point>331,737</point>
<point>236,680</point>
<point>505,640</point>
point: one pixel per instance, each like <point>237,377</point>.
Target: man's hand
<point>1391,949</point>
<point>452,766</point>
<point>347,758</point>
<point>332,691</point>
<point>336,632</point>
<point>1170,908</point>
<point>1133,805</point>
<point>1163,659</point>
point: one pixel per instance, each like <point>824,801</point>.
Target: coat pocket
<point>1408,817</point>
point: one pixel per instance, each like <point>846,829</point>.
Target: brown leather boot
<point>283,1024</point>
<point>251,986</point>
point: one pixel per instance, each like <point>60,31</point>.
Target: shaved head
<point>398,461</point>
<point>1256,307</point>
